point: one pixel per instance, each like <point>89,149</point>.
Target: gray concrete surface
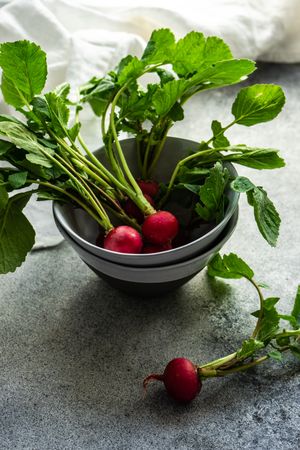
<point>74,351</point>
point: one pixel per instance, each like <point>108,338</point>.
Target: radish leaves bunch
<point>184,68</point>
<point>48,152</point>
<point>47,155</point>
<point>183,379</point>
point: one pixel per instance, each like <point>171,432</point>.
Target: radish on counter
<point>183,379</point>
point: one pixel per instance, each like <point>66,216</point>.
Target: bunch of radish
<point>158,229</point>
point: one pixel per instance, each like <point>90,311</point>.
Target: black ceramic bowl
<point>150,281</point>
<point>84,230</point>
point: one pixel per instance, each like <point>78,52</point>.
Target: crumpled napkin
<point>84,38</point>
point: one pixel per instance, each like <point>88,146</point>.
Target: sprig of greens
<point>47,151</point>
<point>197,63</point>
<point>267,340</point>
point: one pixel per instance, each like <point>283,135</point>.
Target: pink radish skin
<point>180,379</point>
<point>160,227</point>
<point>123,239</point>
<point>132,210</point>
<point>148,187</point>
<point>152,248</point>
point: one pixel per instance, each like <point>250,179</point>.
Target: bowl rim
<point>132,256</point>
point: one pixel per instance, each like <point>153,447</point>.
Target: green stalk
<point>261,307</point>
<point>99,168</point>
<point>177,168</point>
<point>103,118</point>
<point>110,153</point>
<point>221,132</point>
<point>159,150</point>
<point>219,362</point>
<point>113,161</point>
<point>147,154</point>
<point>106,224</point>
<point>92,197</point>
<point>104,172</point>
<point>288,333</point>
<point>139,199</point>
<point>122,216</point>
<point>93,175</point>
<point>71,196</point>
<point>204,373</point>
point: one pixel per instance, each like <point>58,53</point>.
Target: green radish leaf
<point>7,118</point>
<point>270,302</point>
<point>219,139</point>
<point>258,103</point>
<point>17,157</point>
<point>18,179</point>
<point>99,93</point>
<point>135,104</point>
<point>256,158</point>
<point>190,187</point>
<point>166,96</point>
<point>249,348</point>
<point>164,75</point>
<point>269,324</point>
<point>276,355</point>
<point>242,184</point>
<point>296,308</point>
<point>47,143</point>
<point>194,52</point>
<point>176,113</point>
<point>16,233</point>
<point>24,71</point>
<point>133,70</point>
<point>74,131</point>
<point>44,195</point>
<point>63,90</point>
<point>59,113</point>
<point>223,73</point>
<point>211,194</point>
<point>160,48</point>
<point>230,266</point>
<point>266,216</point>
<point>5,147</point>
<point>123,63</point>
<point>3,195</point>
<point>195,175</point>
<point>21,137</point>
<point>290,319</point>
<point>40,108</point>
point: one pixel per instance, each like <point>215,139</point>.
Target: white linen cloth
<point>85,38</point>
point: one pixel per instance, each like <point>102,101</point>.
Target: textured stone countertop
<point>74,351</point>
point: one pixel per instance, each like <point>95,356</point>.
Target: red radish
<point>152,248</point>
<point>123,239</point>
<point>148,187</point>
<point>160,227</point>
<point>132,209</point>
<point>180,378</point>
